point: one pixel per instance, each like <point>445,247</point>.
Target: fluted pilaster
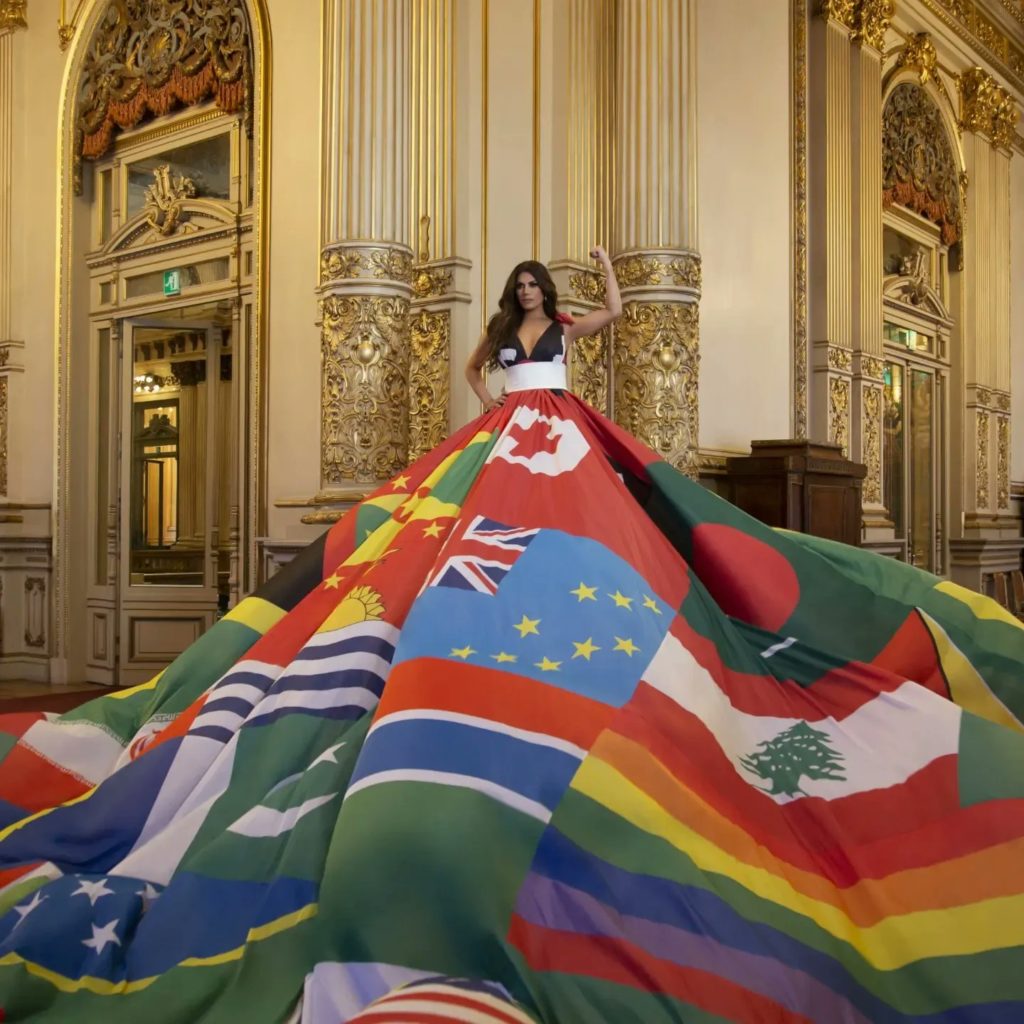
<point>868,258</point>
<point>587,167</point>
<point>366,260</point>
<point>657,346</point>
<point>831,311</point>
<point>12,17</point>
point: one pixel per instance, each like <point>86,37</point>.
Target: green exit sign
<point>172,282</point>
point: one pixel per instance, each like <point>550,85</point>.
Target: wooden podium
<point>799,485</point>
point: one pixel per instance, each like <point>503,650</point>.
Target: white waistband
<point>531,376</point>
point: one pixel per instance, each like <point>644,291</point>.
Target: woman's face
<point>528,292</point>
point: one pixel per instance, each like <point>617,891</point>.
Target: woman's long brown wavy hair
<point>505,323</point>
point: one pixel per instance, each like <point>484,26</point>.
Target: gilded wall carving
<point>656,370</point>
<point>35,611</point>
<point>429,361</point>
<point>364,400</point>
<point>589,368</point>
<point>13,15</point>
<point>1003,462</point>
<point>987,108</point>
<point>347,262</point>
<point>3,435</point>
<point>872,439</point>
<point>164,199</point>
<point>431,282</point>
<point>839,358</point>
<point>149,56</point>
<point>839,412</point>
<point>919,53</point>
<point>872,367</point>
<point>872,21</point>
<point>588,285</point>
<point>919,171</point>
<point>843,11</point>
<point>647,269</point>
<point>981,465</point>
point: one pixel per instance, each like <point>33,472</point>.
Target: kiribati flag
<point>482,557</point>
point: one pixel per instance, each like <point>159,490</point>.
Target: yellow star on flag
<point>585,649</point>
<point>649,602</point>
<point>584,593</point>
<point>501,657</point>
<point>400,482</point>
<point>527,626</point>
<point>621,601</point>
<point>462,652</point>
<point>433,530</point>
<point>547,665</point>
<point>332,582</point>
<point>626,645</point>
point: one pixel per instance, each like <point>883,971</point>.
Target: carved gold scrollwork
<point>842,11</point>
<point>431,282</point>
<point>872,367</point>
<point>839,358</point>
<point>919,171</point>
<point>430,352</point>
<point>983,395</point>
<point>872,436</point>
<point>981,494</point>
<point>1002,401</point>
<point>839,412</point>
<point>872,21</point>
<point>164,200</point>
<point>1003,462</point>
<point>656,370</point>
<point>149,56</point>
<point>364,400</point>
<point>587,285</point>
<point>919,53</point>
<point>645,270</point>
<point>370,262</point>
<point>12,15</point>
<point>987,108</point>
<point>590,369</point>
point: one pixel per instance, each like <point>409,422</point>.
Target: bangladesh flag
<point>541,731</point>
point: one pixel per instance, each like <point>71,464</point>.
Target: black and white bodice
<point>550,348</point>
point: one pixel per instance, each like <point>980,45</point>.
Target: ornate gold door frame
<point>69,314</point>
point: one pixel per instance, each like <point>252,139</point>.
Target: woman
<point>527,329</point>
<point>509,743</point>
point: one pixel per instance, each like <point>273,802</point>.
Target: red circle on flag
<point>749,580</point>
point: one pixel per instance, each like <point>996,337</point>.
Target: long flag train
<point>540,731</point>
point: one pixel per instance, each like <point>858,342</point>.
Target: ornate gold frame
<point>86,18</point>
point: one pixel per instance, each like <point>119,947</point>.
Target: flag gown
<point>540,731</point>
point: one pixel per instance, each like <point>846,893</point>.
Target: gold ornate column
<point>988,117</point>
<point>439,285</point>
<point>872,22</point>
<point>657,341</point>
<point>12,16</point>
<point>585,164</point>
<point>366,261</point>
<point>831,188</point>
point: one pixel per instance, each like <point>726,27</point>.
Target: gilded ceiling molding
<point>918,167</point>
<point>987,108</point>
<point>918,53</point>
<point>150,56</point>
<point>967,20</point>
<point>799,104</point>
<point>13,14</point>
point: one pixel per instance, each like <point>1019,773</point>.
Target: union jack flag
<point>483,556</point>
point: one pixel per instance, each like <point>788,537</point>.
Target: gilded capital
<point>13,15</point>
<point>842,11</point>
<point>872,21</point>
<point>987,108</point>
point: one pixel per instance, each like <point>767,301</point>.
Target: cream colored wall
<point>38,71</point>
<point>293,338</point>
<point>1017,317</point>
<point>743,108</point>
